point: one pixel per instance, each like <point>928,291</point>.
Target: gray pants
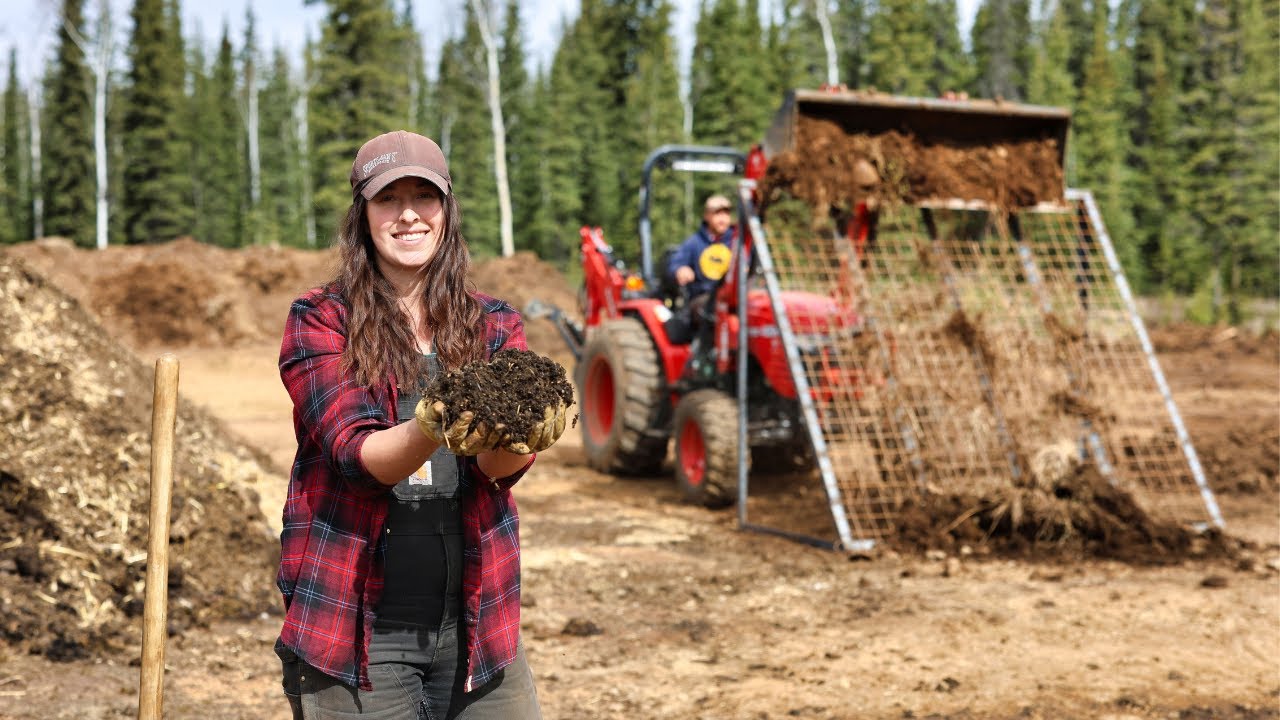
<point>417,674</point>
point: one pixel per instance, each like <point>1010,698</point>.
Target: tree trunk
<point>101,68</point>
<point>483,18</point>
<point>37,196</point>
<point>828,42</point>
<point>255,160</point>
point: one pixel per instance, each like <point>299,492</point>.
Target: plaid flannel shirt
<point>331,561</point>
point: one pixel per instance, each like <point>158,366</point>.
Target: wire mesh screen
<point>993,348</point>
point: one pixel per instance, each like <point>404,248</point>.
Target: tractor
<point>643,382</point>
<point>644,377</point>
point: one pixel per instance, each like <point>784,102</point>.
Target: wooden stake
<point>155,606</point>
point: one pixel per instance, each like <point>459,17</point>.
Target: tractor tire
<point>706,434</point>
<point>624,402</point>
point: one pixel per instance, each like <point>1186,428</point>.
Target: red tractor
<point>641,382</point>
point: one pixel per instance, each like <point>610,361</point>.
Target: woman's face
<point>406,222</point>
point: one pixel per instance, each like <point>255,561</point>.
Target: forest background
<point>1175,127</point>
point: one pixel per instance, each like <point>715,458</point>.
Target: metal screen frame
<point>903,430</point>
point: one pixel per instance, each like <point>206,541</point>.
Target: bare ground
<point>697,619</point>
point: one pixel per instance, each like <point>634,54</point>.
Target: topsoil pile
<point>75,411</point>
<point>820,169</point>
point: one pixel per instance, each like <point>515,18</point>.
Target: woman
<point>400,559</point>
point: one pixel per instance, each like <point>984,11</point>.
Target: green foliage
<point>356,96</point>
<point>217,152</point>
<point>66,137</point>
<point>282,218</point>
<point>156,192</point>
<point>900,47</point>
<point>1001,31</point>
<point>654,118</point>
<point>468,141</point>
<point>15,182</point>
<point>1175,123</point>
<point>729,76</point>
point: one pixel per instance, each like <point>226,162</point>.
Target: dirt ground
<point>639,606</point>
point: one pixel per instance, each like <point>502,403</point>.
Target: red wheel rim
<point>599,397</point>
<point>693,453</point>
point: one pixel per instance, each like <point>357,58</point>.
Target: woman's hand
<point>543,434</point>
<point>460,434</point>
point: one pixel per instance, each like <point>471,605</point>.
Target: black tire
<point>706,434</point>
<point>623,396</point>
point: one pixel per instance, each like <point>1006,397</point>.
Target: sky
<point>29,25</point>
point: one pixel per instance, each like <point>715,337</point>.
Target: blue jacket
<point>688,253</point>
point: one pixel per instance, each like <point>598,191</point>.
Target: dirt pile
<point>75,412</point>
<point>1075,515</point>
<point>1238,442</point>
<point>820,169</point>
<point>189,294</point>
<point>183,293</point>
<point>524,277</point>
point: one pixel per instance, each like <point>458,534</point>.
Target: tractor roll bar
<point>689,158</point>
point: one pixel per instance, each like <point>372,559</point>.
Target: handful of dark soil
<point>513,388</point>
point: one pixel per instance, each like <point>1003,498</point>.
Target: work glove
<point>544,433</point>
<point>460,435</point>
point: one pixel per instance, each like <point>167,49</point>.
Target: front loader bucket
<point>998,139</point>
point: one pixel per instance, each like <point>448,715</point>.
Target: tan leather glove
<point>460,435</point>
<point>543,434</point>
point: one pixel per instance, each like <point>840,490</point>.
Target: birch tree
<point>97,53</point>
<point>484,18</point>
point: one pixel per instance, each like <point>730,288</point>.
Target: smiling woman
<point>386,527</point>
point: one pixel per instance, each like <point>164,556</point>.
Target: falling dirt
<point>1059,598</point>
<point>820,169</point>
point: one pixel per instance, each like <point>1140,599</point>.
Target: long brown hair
<point>380,340</point>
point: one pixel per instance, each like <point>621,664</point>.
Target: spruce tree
<point>1001,31</point>
<point>851,27</point>
<point>729,91</point>
<point>1257,259</point>
<point>15,191</point>
<point>522,149</point>
<point>900,47</point>
<point>1101,146</point>
<point>1049,81</point>
<point>655,118</point>
<point>795,49</point>
<point>543,189</point>
<point>1157,191</point>
<point>356,95</point>
<point>1078,19</point>
<point>462,84</point>
<point>218,158</point>
<point>155,197</point>
<point>282,174</point>
<point>952,68</point>
<point>66,138</point>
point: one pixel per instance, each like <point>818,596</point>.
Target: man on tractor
<point>699,263</point>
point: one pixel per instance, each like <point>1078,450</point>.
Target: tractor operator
<point>703,258</point>
<point>699,263</point>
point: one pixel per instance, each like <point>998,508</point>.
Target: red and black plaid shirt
<point>331,561</point>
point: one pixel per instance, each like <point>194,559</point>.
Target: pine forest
<point>135,133</point>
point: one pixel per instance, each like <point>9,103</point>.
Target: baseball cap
<point>394,155</point>
<point>718,202</point>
